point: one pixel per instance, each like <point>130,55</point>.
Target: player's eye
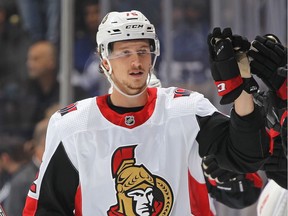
<point>143,52</point>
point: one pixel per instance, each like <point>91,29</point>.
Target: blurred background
<point>48,59</point>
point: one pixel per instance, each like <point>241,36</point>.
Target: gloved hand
<point>222,179</point>
<point>268,56</point>
<point>226,51</point>
<point>229,188</point>
<point>275,111</point>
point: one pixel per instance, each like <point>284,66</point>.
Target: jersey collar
<point>131,119</point>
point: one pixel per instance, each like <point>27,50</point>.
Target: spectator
<point>11,38</point>
<point>14,160</point>
<point>190,64</point>
<point>14,44</point>
<point>16,199</point>
<point>85,58</point>
<point>41,89</point>
<point>41,19</point>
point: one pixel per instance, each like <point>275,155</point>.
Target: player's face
<point>131,62</point>
<point>92,17</point>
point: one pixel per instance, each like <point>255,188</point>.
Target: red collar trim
<point>132,119</point>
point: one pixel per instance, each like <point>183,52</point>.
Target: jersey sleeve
<point>53,191</point>
<point>238,143</point>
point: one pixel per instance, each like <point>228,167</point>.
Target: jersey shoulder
<point>175,94</point>
<point>74,117</point>
<point>185,101</point>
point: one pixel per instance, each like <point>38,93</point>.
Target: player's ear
<point>105,64</point>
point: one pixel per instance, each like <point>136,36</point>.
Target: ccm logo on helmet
<point>134,26</point>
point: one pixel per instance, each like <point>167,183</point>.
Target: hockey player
<point>269,55</point>
<point>269,62</point>
<point>137,151</point>
<point>229,188</point>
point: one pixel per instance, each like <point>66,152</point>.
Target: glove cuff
<point>250,85</point>
<point>237,185</point>
<point>229,89</point>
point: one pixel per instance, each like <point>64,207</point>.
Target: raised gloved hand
<point>268,56</point>
<point>227,54</point>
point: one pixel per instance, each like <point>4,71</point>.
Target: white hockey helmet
<point>120,26</point>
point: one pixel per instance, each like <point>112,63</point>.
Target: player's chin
<point>135,89</point>
<point>138,85</point>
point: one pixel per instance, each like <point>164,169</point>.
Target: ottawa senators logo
<point>139,192</point>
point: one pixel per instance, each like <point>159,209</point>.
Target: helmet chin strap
<point>108,75</point>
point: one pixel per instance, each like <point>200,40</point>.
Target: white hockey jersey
<point>99,162</point>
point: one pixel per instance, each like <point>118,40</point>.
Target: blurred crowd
<point>29,84</point>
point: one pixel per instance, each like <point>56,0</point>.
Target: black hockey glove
<point>236,190</point>
<point>223,50</point>
<point>275,111</point>
<point>220,178</point>
<point>269,55</point>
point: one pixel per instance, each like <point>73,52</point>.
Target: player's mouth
<point>136,74</point>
